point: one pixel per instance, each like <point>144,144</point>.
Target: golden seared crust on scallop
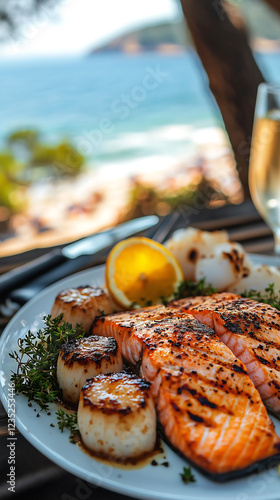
<point>82,305</point>
<point>116,393</point>
<point>81,359</point>
<point>117,417</point>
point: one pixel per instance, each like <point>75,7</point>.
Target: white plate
<point>148,482</point>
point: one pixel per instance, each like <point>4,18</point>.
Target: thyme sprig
<point>68,421</point>
<point>270,296</point>
<point>37,358</point>
<point>192,288</point>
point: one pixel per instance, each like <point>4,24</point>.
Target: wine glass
<point>264,169</point>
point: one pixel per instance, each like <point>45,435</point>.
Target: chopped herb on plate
<point>187,475</point>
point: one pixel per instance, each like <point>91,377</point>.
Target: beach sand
<point>60,211</point>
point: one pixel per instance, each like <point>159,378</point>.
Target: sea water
<point>116,108</point>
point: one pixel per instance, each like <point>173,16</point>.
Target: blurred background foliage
<point>147,200</point>
<point>26,159</point>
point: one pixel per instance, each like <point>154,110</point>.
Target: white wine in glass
<point>264,169</point>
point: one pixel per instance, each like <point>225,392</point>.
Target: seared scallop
<point>190,244</point>
<point>84,358</point>
<point>82,305</point>
<point>117,417</point>
<point>259,278</point>
<point>224,267</point>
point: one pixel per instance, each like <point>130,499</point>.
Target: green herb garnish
<point>192,288</point>
<point>37,358</point>
<point>269,297</point>
<point>187,475</point>
<point>134,305</point>
<point>186,289</point>
<point>68,421</point>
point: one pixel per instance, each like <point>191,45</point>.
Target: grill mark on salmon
<point>251,330</point>
<point>206,403</point>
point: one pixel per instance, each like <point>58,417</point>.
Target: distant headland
<point>166,38</point>
<point>173,37</point>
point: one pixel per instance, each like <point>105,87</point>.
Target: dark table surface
<point>36,476</point>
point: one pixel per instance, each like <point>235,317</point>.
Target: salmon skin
<point>207,405</point>
<point>251,330</point>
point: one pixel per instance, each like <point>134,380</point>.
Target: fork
<point>159,233</point>
<point>164,228</point>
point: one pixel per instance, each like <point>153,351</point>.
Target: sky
<point>72,27</point>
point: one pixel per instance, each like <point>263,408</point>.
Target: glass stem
<point>277,243</point>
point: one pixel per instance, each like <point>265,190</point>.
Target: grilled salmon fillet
<point>207,405</point>
<point>251,330</point>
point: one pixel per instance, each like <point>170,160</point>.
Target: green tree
<point>11,190</point>
<point>28,159</point>
<point>62,158</point>
<point>25,137</point>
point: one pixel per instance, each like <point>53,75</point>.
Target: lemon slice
<point>141,272</point>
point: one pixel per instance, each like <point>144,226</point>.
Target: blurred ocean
<point>115,108</point>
